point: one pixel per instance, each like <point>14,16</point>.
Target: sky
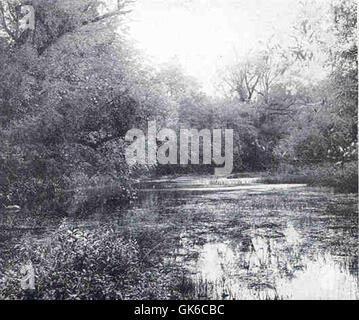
<point>203,36</point>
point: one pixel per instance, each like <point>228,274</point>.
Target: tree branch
<point>4,24</point>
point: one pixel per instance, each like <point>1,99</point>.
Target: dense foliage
<point>72,86</point>
<point>70,91</point>
<point>98,264</point>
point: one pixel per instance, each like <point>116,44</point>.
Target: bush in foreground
<point>77,264</point>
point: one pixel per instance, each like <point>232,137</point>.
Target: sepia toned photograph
<point>187,150</point>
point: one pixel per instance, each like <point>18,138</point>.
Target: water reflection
<point>240,239</point>
<point>322,278</point>
<point>271,269</point>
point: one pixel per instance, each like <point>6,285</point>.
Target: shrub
<point>343,179</point>
<point>77,264</point>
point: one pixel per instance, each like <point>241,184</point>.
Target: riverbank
<point>343,179</point>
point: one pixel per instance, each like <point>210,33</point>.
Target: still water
<point>237,238</point>
<point>240,239</point>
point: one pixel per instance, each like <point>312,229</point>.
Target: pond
<point>239,238</point>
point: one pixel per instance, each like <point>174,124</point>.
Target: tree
<point>54,19</point>
<point>71,92</point>
<point>328,130</point>
<point>243,78</point>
